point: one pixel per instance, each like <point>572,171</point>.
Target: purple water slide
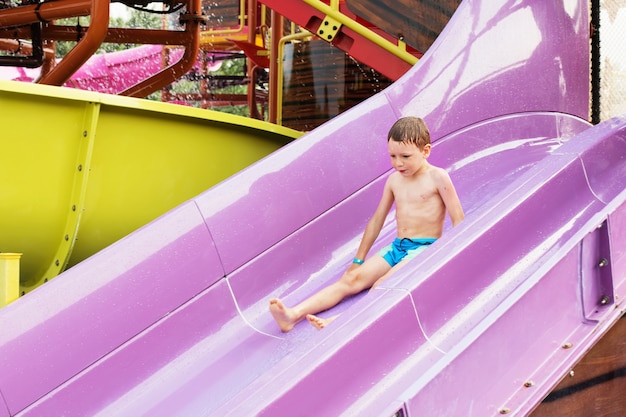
<point>173,319</point>
<point>115,72</point>
<point>112,72</point>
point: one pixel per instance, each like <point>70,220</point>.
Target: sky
<point>118,10</point>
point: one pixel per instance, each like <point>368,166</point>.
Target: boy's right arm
<point>376,222</point>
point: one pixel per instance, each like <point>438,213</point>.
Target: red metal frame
<point>355,45</point>
<point>14,25</point>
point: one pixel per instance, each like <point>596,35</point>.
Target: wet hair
<point>410,130</point>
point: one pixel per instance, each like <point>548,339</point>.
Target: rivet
<point>84,133</point>
<point>67,237</point>
<point>80,167</point>
<point>529,384</point>
<point>74,207</point>
<point>57,262</point>
<point>44,280</point>
<point>604,300</point>
<point>603,262</point>
<point>504,410</point>
<point>567,345</point>
<point>571,373</point>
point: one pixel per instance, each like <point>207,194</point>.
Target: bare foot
<point>318,322</point>
<point>284,316</point>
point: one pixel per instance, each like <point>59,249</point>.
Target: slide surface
<point>173,320</point>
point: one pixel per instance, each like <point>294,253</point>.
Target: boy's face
<point>407,158</point>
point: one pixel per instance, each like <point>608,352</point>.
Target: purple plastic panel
<point>489,363</point>
<point>343,367</point>
<point>607,159</point>
<point>606,173</point>
<point>4,409</point>
<point>506,58</point>
<point>176,367</point>
<point>305,261</point>
<point>545,206</point>
<point>480,68</point>
<point>209,335</point>
<point>617,238</point>
<point>270,200</point>
<point>98,305</point>
<point>301,263</point>
<point>281,264</point>
<point>477,314</point>
<point>483,159</point>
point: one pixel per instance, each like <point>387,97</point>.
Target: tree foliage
<point>136,19</point>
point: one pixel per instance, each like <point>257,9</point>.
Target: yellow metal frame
<point>333,13</point>
<point>334,18</point>
<point>230,31</point>
<point>9,277</point>
<point>78,191</point>
<point>280,81</point>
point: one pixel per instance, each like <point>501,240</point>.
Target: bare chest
<point>420,193</point>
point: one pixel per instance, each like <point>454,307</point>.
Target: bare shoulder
<point>393,179</point>
<point>435,170</point>
<point>439,175</point>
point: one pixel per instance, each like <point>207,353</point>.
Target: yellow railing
<point>228,31</point>
<point>333,12</point>
<point>281,49</point>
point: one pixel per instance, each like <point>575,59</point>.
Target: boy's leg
<point>320,323</point>
<point>389,273</point>
<point>350,283</point>
<point>411,255</point>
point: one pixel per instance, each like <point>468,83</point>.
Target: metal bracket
<point>193,17</point>
<point>328,29</point>
<point>597,288</point>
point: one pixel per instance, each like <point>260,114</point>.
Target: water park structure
<point>496,318</point>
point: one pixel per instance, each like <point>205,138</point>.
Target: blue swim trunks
<point>404,248</point>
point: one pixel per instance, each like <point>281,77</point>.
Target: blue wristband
<point>357,261</point>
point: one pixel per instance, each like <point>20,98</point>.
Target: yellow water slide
<point>81,170</point>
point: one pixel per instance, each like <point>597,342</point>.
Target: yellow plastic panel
<point>81,169</point>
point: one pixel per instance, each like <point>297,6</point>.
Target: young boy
<point>422,193</point>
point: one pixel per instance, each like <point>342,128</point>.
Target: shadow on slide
<point>173,320</point>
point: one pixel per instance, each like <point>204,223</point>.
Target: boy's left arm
<point>450,198</point>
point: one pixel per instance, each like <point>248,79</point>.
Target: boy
<point>422,193</point>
